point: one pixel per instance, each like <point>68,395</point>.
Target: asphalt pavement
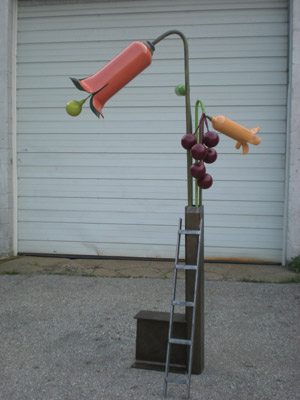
<point>73,338</point>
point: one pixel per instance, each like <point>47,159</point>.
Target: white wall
<point>293,142</point>
<point>7,68</point>
<point>117,187</point>
<point>7,183</point>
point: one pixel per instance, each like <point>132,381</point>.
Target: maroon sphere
<point>210,138</point>
<point>188,141</point>
<point>199,151</point>
<point>205,182</point>
<point>198,170</point>
<point>211,156</point>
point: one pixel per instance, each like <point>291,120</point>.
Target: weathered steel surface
<point>193,216</point>
<point>152,339</point>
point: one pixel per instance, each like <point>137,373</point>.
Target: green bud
<point>74,108</point>
<point>180,89</point>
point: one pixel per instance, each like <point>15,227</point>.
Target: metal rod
<point>188,112</point>
<point>172,310</point>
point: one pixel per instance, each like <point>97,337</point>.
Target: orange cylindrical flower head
<point>115,74</point>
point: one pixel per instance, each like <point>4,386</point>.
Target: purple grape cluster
<point>202,153</point>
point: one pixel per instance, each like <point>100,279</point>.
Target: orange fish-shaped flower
<point>236,131</point>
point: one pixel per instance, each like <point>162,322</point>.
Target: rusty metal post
<point>193,216</point>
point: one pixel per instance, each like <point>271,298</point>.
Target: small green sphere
<point>74,108</point>
<point>180,90</point>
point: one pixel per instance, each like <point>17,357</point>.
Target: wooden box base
<point>152,339</point>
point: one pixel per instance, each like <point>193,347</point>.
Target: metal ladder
<point>192,304</point>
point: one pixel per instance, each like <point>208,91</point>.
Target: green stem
<point>84,100</point>
<point>189,122</point>
<point>198,134</point>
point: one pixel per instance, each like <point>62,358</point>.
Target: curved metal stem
<point>188,112</point>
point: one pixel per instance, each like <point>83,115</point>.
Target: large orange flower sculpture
<point>115,74</point>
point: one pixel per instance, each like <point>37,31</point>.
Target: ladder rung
<point>183,303</point>
<point>180,341</point>
<point>187,267</point>
<point>177,380</point>
<point>189,232</point>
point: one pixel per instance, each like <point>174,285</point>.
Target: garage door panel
<point>270,116</point>
<point>144,250</point>
<point>155,143</point>
<point>200,48</point>
<point>174,66</point>
<point>153,173</point>
<point>118,186</point>
<point>140,189</point>
<point>96,248</point>
<point>146,160</point>
<point>148,33</point>
<point>231,78</point>
<point>129,6</point>
<point>144,121</point>
<point>151,19</point>
<point>221,96</point>
<point>162,206</point>
<point>101,217</point>
<point>145,234</point>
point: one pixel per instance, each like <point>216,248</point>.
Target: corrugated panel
<point>118,186</point>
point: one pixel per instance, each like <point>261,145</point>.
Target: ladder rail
<point>174,285</point>
<point>192,304</point>
<point>176,260</point>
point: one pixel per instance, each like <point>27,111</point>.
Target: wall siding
<point>7,131</point>
<point>117,186</point>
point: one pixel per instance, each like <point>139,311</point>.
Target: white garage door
<point>117,187</point>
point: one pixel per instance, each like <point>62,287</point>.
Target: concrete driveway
<point>73,338</point>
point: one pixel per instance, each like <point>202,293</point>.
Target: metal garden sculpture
<point>200,147</point>
<point>111,78</point>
